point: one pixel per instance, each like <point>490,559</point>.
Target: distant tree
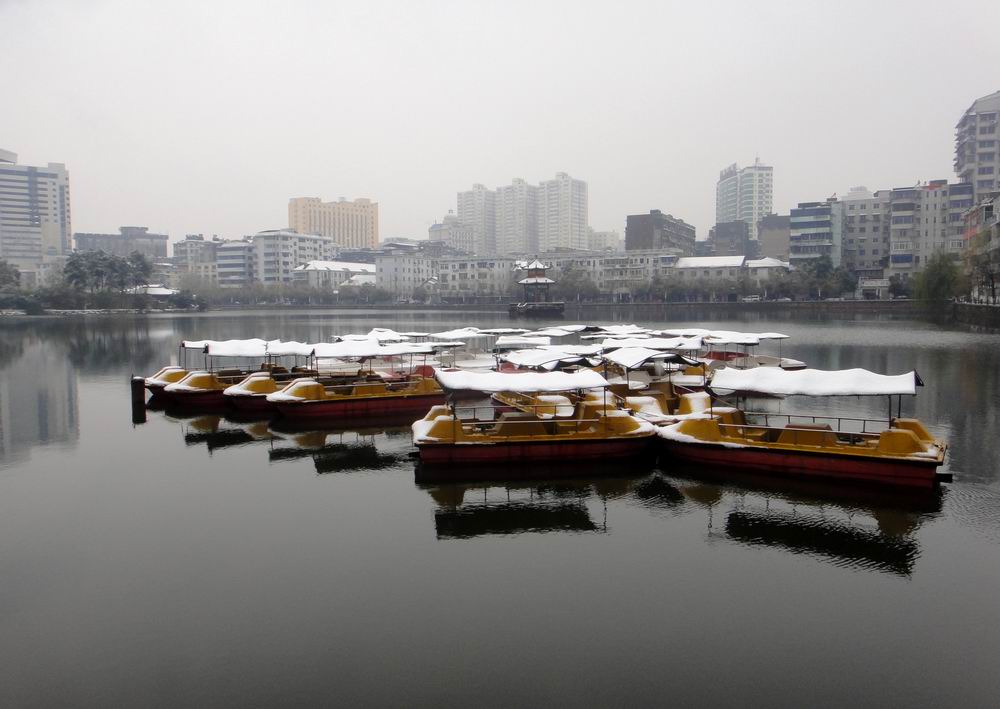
<point>939,280</point>
<point>10,277</point>
<point>574,284</point>
<point>140,269</point>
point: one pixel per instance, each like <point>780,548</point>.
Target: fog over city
<point>208,116</point>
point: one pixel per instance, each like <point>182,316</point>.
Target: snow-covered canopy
<point>503,331</point>
<point>230,348</point>
<point>384,334</point>
<point>523,382</point>
<point>813,382</point>
<point>364,349</point>
<point>582,350</point>
<point>655,343</point>
<point>277,348</point>
<point>463,333</point>
<point>519,341</point>
<point>632,357</point>
<point>546,359</point>
<point>730,337</point>
<point>550,332</point>
<point>623,329</point>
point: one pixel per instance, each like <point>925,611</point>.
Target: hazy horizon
<point>194,117</point>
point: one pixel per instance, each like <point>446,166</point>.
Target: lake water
<point>202,561</point>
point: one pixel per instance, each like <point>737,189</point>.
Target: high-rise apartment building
<point>563,213</point>
<point>744,194</point>
<point>520,218</point>
<point>517,217</point>
<point>129,239</point>
<point>659,231</point>
<point>926,219</point>
<point>35,228</point>
<point>977,152</point>
<point>478,208</point>
<point>352,225</point>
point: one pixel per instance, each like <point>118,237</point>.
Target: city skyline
<point>201,172</point>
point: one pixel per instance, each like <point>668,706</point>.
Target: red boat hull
<point>805,464</point>
<point>255,404</point>
<point>367,408</point>
<point>535,451</point>
<point>213,397</point>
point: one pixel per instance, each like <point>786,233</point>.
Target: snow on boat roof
<point>582,350</point>
<point>730,337</point>
<point>632,357</point>
<point>369,348</point>
<point>685,332</point>
<point>522,382</point>
<point>384,334</point>
<point>460,334</point>
<point>539,358</point>
<point>655,343</point>
<point>519,342</point>
<point>277,348</point>
<point>550,332</point>
<point>623,329</point>
<point>504,331</point>
<point>813,382</point>
<point>414,334</point>
<point>236,348</point>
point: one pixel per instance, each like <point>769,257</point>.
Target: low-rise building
<point>926,219</point>
<point>234,263</point>
<point>710,267</point>
<point>815,232</point>
<point>278,252</point>
<point>331,275</point>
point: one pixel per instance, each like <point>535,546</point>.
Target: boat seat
<point>368,389</point>
<point>808,434</point>
<point>517,423</point>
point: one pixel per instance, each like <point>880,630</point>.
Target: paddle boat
<point>893,450</point>
<point>557,416</point>
<point>188,350</point>
<point>205,387</point>
<point>375,394</point>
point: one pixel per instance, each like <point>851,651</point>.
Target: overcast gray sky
<point>207,116</point>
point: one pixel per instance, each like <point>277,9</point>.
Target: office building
<point>977,152</point>
<point>659,231</point>
<point>128,240</point>
<point>234,263</point>
<point>744,194</point>
<point>35,219</point>
<point>351,225</point>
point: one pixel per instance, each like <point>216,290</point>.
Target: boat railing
<point>854,422</point>
<point>818,434</point>
<point>472,413</point>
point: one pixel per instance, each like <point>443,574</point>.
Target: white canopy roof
<point>623,329</point>
<point>582,350</point>
<point>235,348</point>
<point>503,331</point>
<point>547,359</point>
<point>551,332</point>
<point>655,343</point>
<point>383,334</point>
<point>523,382</point>
<point>813,382</point>
<point>277,348</point>
<point>730,337</point>
<point>460,334</point>
<point>518,341</point>
<point>632,357</point>
<point>363,349</point>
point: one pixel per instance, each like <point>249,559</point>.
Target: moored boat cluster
<point>569,392</point>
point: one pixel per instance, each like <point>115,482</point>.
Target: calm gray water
<point>195,560</point>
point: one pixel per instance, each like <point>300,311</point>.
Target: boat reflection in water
<point>466,511</point>
<point>856,528</point>
<point>376,446</point>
